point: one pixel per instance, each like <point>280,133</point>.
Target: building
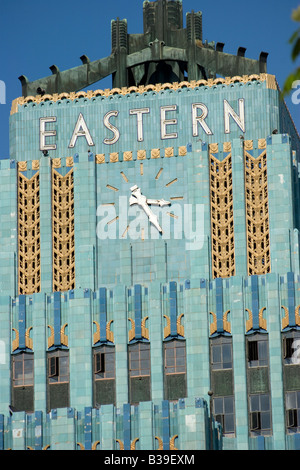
<point>150,251</point>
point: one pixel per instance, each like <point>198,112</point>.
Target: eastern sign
<point>168,119</point>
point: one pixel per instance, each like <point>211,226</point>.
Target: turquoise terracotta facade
<point>173,271</point>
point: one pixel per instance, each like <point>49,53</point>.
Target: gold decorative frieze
<point>63,336</point>
<point>262,77</point>
<point>226,323</point>
<point>221,205</point>
<point>144,330</point>
<point>63,230</point>
<point>141,154</point>
<point>155,153</point>
<point>257,210</point>
<point>286,319</point>
<point>182,151</point>
<point>172,443</point>
<point>132,444</point>
<point>114,157</point>
<point>262,322</point>
<point>94,446</point>
<point>109,333</point>
<point>169,152</point>
<point>100,158</point>
<point>179,326</point>
<point>127,156</point>
<point>28,340</point>
<point>29,255</point>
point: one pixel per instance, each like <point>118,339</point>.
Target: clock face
<point>141,200</point>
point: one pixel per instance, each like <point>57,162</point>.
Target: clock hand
<point>158,202</point>
<point>138,198</point>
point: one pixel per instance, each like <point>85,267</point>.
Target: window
<point>224,413</point>
<point>139,372</point>
<point>58,379</point>
<point>22,390</point>
<point>221,353</point>
<point>291,348</point>
<point>260,414</point>
<point>139,359</point>
<point>175,357</point>
<point>104,375</point>
<point>104,363</point>
<point>58,367</point>
<point>175,370</point>
<point>22,370</point>
<point>257,346</point>
<point>292,406</point>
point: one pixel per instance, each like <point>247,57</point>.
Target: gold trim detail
<point>63,336</point>
<point>28,340</point>
<point>169,152</point>
<point>226,323</point>
<point>29,260</point>
<point>132,445</point>
<point>172,442</point>
<point>155,153</point>
<point>109,333</point>
<point>286,319</point>
<point>100,158</point>
<point>127,156</point>
<point>114,157</point>
<point>222,224</point>
<point>262,322</point>
<point>167,328</point>
<point>145,331</point>
<point>16,341</point>
<point>257,210</point>
<point>180,327</point>
<point>63,231</point>
<point>141,154</point>
<point>160,443</point>
<point>182,151</point>
<point>262,77</point>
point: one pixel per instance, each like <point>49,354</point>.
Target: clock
<point>139,200</point>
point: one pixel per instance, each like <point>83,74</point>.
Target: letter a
<point>81,130</point>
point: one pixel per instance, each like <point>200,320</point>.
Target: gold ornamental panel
<point>63,230</point>
<point>221,207</point>
<point>257,210</point>
<point>29,254</point>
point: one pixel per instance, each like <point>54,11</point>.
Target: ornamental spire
<point>166,52</point>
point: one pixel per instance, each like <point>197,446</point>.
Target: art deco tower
<point>149,263</point>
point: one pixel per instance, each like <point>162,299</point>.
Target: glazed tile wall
<point>120,264</point>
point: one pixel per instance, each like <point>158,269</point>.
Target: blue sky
<point>35,35</point>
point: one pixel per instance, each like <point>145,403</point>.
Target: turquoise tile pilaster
<point>121,340</point>
<point>5,352</point>
<point>276,373</point>
<point>237,319</point>
<point>79,321</point>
